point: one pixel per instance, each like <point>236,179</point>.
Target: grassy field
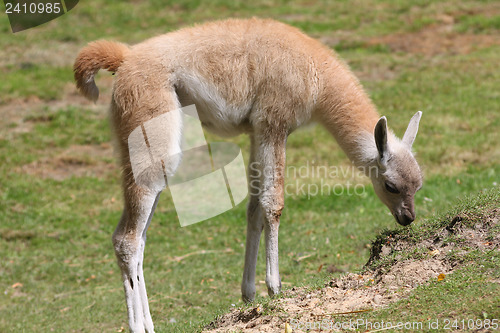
<point>467,298</point>
<point>439,275</point>
<point>60,198</point>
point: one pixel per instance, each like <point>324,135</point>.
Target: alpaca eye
<point>391,188</point>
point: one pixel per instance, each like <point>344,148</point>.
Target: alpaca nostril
<point>408,217</point>
<point>405,218</point>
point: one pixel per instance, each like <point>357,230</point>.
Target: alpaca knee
<point>126,248</point>
<point>272,206</point>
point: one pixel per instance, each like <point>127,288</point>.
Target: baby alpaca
<point>259,77</point>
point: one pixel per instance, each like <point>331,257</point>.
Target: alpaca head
<point>398,175</point>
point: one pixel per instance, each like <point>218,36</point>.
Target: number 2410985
<point>33,8</point>
<point>471,324</point>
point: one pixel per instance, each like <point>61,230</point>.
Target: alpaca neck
<point>347,112</point>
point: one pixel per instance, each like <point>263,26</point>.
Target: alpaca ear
<point>411,131</point>
<point>381,137</point>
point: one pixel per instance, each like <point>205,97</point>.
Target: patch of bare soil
<point>75,161</point>
<point>14,113</point>
<point>19,116</point>
<point>51,53</point>
<point>441,37</point>
<point>436,39</point>
<point>374,288</point>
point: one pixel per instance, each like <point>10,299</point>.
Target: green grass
<point>91,129</point>
<point>55,235</point>
<point>468,296</point>
<point>18,82</point>
<point>461,302</point>
<point>464,300</point>
<point>133,22</point>
<point>479,23</point>
<point>471,210</point>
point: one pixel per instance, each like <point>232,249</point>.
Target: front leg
<point>273,280</point>
<point>255,224</point>
<point>272,156</point>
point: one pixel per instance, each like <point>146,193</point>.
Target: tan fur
<point>263,63</point>
<point>255,76</point>
<point>96,55</point>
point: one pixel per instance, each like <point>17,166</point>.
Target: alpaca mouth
<point>403,219</point>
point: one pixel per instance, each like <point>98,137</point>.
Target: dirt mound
<point>399,263</point>
<point>349,294</point>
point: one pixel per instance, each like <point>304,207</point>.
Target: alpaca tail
<point>97,55</point>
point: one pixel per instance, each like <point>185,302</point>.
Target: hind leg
<point>141,282</point>
<point>129,241</point>
<point>149,141</point>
